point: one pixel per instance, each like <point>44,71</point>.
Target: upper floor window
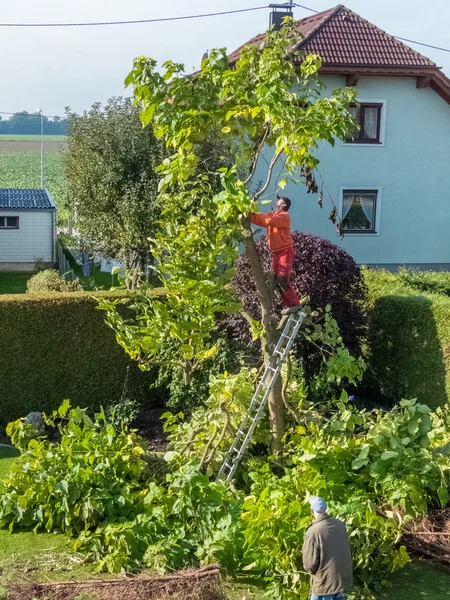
<point>368,117</point>
<point>359,211</point>
<point>9,222</point>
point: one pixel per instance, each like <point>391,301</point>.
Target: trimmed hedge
<point>408,345</point>
<point>57,346</point>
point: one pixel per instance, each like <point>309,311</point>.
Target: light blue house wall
<point>411,169</point>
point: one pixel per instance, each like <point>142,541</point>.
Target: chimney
<point>279,12</point>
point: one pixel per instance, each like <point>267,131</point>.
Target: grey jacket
<point>326,556</point>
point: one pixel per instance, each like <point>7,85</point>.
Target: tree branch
<point>223,433</point>
<point>191,440</point>
<point>273,162</point>
<point>203,462</point>
<point>256,156</point>
<point>286,402</point>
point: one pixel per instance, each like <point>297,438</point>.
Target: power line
<point>139,21</point>
<point>307,8</point>
<point>187,17</point>
<point>422,44</point>
<point>394,36</point>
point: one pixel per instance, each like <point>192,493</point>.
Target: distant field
<point>32,138</point>
<point>23,170</point>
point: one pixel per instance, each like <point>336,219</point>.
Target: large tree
<point>112,181</point>
<point>267,103</point>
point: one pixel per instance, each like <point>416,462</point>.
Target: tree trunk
<point>268,339</point>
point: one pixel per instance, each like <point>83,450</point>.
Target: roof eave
<point>440,83</point>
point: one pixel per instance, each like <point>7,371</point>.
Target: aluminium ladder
<point>257,405</point>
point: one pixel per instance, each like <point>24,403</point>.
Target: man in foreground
<point>326,554</point>
<point>278,225</point>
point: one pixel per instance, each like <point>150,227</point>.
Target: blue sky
<point>52,68</point>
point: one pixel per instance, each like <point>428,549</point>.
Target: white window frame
<point>379,191</point>
<point>382,125</point>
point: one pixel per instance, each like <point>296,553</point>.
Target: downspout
<point>53,238</point>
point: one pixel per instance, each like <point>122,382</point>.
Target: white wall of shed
<point>33,239</point>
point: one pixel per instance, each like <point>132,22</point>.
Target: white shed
<point>27,228</point>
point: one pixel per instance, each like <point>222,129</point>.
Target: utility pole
<point>39,110</point>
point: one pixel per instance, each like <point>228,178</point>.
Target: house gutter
<point>53,209</point>
<point>53,237</point>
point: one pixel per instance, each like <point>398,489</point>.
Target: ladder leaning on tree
<point>257,405</point>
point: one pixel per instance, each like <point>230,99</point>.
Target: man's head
<point>318,506</point>
<point>283,203</point>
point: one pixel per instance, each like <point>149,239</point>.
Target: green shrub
<point>94,474</point>
<point>408,345</point>
<point>437,282</point>
<point>50,280</point>
<point>57,346</point>
<point>186,397</point>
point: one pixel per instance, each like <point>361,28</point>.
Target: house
<point>27,229</point>
<point>391,183</point>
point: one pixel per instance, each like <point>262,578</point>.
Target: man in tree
<point>326,554</point>
<point>278,225</point>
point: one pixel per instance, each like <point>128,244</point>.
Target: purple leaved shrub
<point>323,271</point>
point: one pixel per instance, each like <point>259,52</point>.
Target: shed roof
<point>25,199</point>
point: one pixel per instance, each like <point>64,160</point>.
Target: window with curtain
<point>359,211</point>
<point>368,118</point>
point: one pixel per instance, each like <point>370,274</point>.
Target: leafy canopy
<point>112,180</point>
<point>269,98</point>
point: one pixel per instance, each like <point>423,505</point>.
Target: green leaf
<point>187,351</point>
<point>62,487</point>
<point>210,353</point>
<point>64,408</point>
<point>389,454</point>
<point>443,495</point>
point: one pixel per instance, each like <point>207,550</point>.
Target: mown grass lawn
<point>14,283</point>
<point>25,555</point>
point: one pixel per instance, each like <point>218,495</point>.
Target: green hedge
<point>408,345</point>
<point>57,346</point>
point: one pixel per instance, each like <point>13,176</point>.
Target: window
<point>368,117</point>
<point>359,211</point>
<point>9,222</point>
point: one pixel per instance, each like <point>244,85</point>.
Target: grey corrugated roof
<point>16,199</point>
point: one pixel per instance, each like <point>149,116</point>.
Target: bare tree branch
<point>269,176</point>
<point>256,155</point>
<point>222,435</point>
<point>208,447</point>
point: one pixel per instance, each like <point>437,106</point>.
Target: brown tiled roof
<point>342,38</point>
<point>304,27</point>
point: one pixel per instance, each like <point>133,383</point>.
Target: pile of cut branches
<point>195,584</point>
<point>430,535</point>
